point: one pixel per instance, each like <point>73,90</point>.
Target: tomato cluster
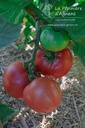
<point>59,61</point>
<point>42,94</point>
<point>52,61</point>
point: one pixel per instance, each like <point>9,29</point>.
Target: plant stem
<point>36,13</point>
<point>40,19</point>
<point>31,66</point>
<point>36,43</point>
<point>37,39</point>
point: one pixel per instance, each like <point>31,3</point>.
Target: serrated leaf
<point>12,10</point>
<point>8,33</point>
<point>79,50</point>
<point>6,113</point>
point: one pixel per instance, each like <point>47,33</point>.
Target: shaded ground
<point>70,113</point>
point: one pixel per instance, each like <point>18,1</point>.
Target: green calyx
<point>50,56</point>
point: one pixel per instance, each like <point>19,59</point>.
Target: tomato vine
<point>36,47</point>
<point>53,59</point>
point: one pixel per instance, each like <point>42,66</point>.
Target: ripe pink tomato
<point>43,95</point>
<point>57,68</point>
<point>15,79</point>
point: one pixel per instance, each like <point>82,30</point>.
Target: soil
<point>70,113</point>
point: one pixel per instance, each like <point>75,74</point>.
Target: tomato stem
<point>50,56</point>
<point>40,19</point>
<point>36,13</point>
<point>36,40</point>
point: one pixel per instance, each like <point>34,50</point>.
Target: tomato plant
<point>15,79</point>
<point>60,65</point>
<point>47,22</point>
<point>53,40</point>
<point>43,95</point>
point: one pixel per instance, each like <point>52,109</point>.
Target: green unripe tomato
<point>52,40</point>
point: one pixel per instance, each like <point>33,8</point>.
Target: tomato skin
<point>15,79</point>
<point>60,67</point>
<point>43,95</point>
<point>52,40</point>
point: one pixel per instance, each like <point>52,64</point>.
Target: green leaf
<point>70,18</point>
<point>80,1</point>
<point>58,4</point>
<point>78,35</point>
<point>36,2</point>
<point>70,2</point>
<point>8,33</point>
<point>30,19</point>
<point>43,1</point>
<point>52,1</point>
<point>63,2</point>
<point>27,30</point>
<point>6,113</point>
<point>12,10</point>
<point>74,25</point>
<point>79,50</point>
